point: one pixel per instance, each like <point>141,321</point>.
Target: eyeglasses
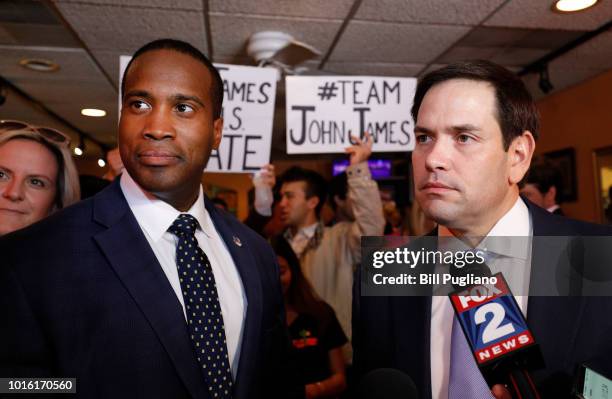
<point>46,132</point>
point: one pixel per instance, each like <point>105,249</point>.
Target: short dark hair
<point>544,174</point>
<point>516,110</point>
<point>315,183</point>
<point>216,87</point>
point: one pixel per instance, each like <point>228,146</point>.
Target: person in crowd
<point>338,191</point>
<point>147,289</point>
<point>220,203</point>
<point>115,164</point>
<point>476,127</point>
<point>37,174</point>
<point>393,218</point>
<point>91,185</point>
<point>328,255</point>
<point>315,332</point>
<point>264,214</point>
<point>543,186</point>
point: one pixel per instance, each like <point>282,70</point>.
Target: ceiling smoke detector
<point>279,49</point>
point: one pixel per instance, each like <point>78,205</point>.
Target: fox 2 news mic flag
<point>324,111</point>
<point>498,335</point>
<point>248,112</point>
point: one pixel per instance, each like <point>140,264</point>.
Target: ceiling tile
<point>561,77</point>
<point>27,11</point>
<point>390,42</point>
<point>538,15</point>
<point>548,39</point>
<point>431,68</point>
<point>324,9</point>
<point>434,67</point>
<point>518,56</point>
<point>482,36</point>
<point>452,12</point>
<point>85,94</point>
<point>128,28</point>
<point>230,33</point>
<point>40,35</point>
<point>463,53</point>
<point>234,59</point>
<point>595,53</point>
<point>109,60</point>
<point>75,64</point>
<point>374,68</point>
<point>174,4</point>
<point>5,36</point>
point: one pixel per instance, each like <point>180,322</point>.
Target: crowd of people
<point>158,291</point>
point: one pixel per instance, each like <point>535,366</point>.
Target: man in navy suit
<point>94,292</point>
<point>476,127</point>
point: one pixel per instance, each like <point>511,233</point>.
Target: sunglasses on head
<point>46,132</point>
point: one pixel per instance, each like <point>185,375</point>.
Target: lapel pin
<point>237,241</point>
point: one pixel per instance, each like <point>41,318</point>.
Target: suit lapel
<point>131,257</point>
<point>243,259</point>
<point>548,315</point>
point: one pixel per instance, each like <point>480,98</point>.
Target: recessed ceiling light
<point>101,163</point>
<point>97,113</point>
<point>572,5</point>
<point>39,65</point>
<point>78,151</point>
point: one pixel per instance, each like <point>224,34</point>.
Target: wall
<point>579,117</point>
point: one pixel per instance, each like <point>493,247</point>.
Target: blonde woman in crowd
<point>37,174</point>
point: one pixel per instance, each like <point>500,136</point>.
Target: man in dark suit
<point>147,290</point>
<point>476,127</point>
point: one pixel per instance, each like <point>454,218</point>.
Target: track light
<point>79,150</point>
<point>102,159</point>
<point>544,83</point>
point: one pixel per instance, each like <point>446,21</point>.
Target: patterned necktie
<point>202,307</point>
<point>465,380</point>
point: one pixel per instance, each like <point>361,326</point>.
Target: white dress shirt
<point>512,257</point>
<point>301,239</point>
<point>155,218</point>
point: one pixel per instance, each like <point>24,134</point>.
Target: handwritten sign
<point>324,111</point>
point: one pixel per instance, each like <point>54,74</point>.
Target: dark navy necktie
<point>202,306</point>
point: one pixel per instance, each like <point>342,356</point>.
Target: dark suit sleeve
<point>23,349</point>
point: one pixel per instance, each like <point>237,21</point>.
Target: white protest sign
<point>249,94</point>
<point>248,112</point>
<point>324,111</point>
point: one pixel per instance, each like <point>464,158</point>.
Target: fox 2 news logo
<point>491,320</point>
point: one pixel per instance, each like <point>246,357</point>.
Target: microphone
<point>386,383</point>
<point>498,335</point>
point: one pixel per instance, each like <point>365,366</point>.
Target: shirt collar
<point>516,223</point>
<point>553,208</point>
<point>156,216</point>
<point>309,231</point>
